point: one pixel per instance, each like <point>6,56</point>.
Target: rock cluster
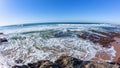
<point>104,40</point>
<point>68,62</point>
<point>39,64</point>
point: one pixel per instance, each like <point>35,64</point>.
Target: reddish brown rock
<point>104,40</point>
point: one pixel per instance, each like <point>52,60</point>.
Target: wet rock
<point>69,62</point>
<point>43,64</point>
<point>3,40</point>
<point>18,61</point>
<point>33,65</point>
<point>46,64</point>
<point>16,66</point>
<point>1,33</point>
<point>23,66</point>
<point>103,38</point>
<point>118,61</point>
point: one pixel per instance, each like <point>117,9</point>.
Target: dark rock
<point>33,65</point>
<point>24,66</point>
<point>18,61</point>
<point>69,62</point>
<point>16,66</point>
<point>47,64</point>
<point>43,64</point>
<point>1,33</point>
<point>3,40</point>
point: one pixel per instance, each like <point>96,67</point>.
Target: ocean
<point>40,41</point>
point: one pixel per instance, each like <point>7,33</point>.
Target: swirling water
<point>33,42</point>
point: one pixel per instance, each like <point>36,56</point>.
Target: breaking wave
<point>47,42</point>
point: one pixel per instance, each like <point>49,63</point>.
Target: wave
<point>41,42</point>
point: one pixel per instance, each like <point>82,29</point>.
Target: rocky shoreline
<point>105,39</point>
<point>70,62</point>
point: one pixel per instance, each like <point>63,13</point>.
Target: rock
<point>43,64</point>
<point>33,65</point>
<point>1,33</point>
<point>103,38</point>
<point>16,66</point>
<point>23,66</point>
<point>18,61</point>
<point>3,40</point>
<point>69,62</point>
<point>118,61</point>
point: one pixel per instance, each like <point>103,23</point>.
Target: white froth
<point>31,48</point>
<point>57,26</point>
<point>34,49</point>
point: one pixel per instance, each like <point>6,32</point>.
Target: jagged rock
<point>70,62</point>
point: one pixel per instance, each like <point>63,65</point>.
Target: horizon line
<point>35,23</point>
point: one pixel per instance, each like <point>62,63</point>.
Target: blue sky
<point>30,11</point>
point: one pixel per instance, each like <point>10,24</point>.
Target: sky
<point>37,11</point>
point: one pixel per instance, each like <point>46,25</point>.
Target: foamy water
<point>32,47</point>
